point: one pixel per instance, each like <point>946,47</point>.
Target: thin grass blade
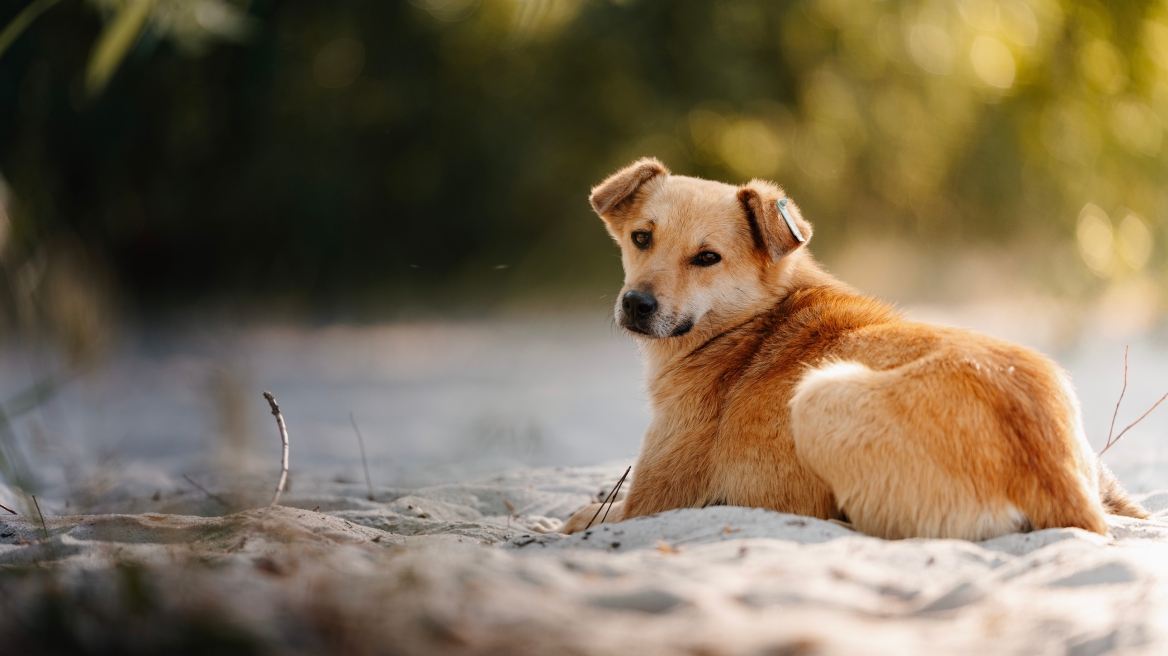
<point>19,24</point>
<point>119,35</point>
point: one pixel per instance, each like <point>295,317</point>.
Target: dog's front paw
<point>579,521</point>
<point>589,515</point>
<point>543,524</point>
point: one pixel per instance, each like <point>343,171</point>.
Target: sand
<point>472,568</point>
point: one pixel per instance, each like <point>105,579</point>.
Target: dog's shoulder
<point>803,327</point>
<point>823,312</point>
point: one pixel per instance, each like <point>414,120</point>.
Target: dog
<point>774,385</point>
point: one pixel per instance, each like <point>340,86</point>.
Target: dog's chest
<point>721,432</point>
<point>724,416</point>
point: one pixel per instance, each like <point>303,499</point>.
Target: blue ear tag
<point>782,203</point>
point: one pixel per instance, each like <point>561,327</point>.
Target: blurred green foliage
<point>343,150</point>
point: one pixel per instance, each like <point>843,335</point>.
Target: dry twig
<point>611,497</point>
<point>206,491</point>
<point>284,438</point>
<point>1111,441</point>
<point>614,494</point>
<point>364,464</point>
<point>41,515</point>
<point>1119,401</point>
<point>8,509</point>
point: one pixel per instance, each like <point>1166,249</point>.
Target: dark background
<point>367,155</point>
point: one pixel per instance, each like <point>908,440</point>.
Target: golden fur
<point>774,385</point>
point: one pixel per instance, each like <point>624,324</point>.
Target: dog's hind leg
<point>920,451</point>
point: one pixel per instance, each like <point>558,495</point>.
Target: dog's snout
<point>639,304</point>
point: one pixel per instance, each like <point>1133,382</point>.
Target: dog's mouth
<point>654,329</point>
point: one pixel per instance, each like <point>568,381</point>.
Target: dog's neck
<point>798,270</point>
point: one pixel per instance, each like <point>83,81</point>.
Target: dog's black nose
<point>638,304</point>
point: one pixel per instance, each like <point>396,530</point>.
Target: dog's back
<point>937,432</point>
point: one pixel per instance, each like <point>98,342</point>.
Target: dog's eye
<point>642,238</point>
<point>706,258</point>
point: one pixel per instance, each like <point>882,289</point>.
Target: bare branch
<point>1121,393</point>
<point>284,438</point>
<point>1129,426</point>
<point>1111,441</point>
<point>364,464</point>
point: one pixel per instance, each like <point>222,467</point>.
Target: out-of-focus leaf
<point>224,20</point>
<point>22,21</point>
<point>119,35</point>
<point>193,26</point>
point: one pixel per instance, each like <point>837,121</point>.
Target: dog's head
<point>694,251</point>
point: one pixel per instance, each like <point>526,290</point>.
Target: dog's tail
<point>1115,499</point>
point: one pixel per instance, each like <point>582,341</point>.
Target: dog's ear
<point>772,232</point>
<point>616,194</point>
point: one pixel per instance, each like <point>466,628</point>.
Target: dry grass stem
<point>611,497</point>
<point>1110,440</point>
<point>206,491</point>
<point>283,438</point>
<point>2,506</point>
<point>364,464</point>
<point>1122,391</point>
<point>512,513</point>
<point>41,515</point>
<point>616,492</point>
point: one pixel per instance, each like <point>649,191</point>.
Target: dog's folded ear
<point>618,192</point>
<point>772,232</point>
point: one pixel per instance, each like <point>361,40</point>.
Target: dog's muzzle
<point>637,312</point>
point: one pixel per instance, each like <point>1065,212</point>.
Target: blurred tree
<point>357,149</point>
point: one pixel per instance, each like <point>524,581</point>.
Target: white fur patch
<point>829,374</point>
<point>1008,519</point>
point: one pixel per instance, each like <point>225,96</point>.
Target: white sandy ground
<point>465,569</point>
<point>451,400</point>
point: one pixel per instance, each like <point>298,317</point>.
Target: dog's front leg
<point>649,494</point>
<point>593,515</point>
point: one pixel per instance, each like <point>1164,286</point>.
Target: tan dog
<point>774,385</point>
